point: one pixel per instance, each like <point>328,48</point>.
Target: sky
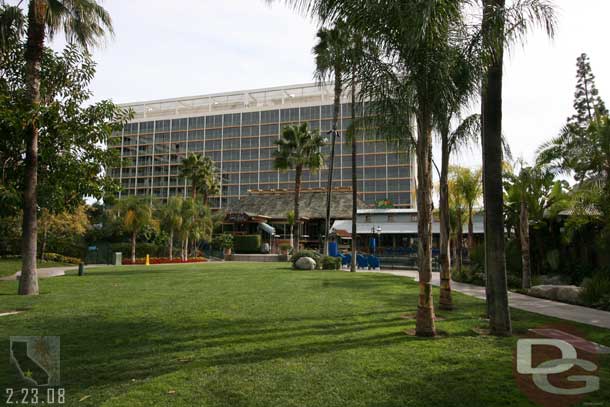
<point>167,49</point>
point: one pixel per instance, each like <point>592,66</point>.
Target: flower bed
<point>164,260</point>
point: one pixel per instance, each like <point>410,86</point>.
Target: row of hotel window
<point>242,119</point>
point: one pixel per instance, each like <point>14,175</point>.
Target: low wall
<point>256,257</point>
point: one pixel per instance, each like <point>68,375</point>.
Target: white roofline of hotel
<point>299,95</point>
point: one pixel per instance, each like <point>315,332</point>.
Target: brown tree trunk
<point>37,10</point>
<point>336,107</point>
<point>133,247</point>
<point>171,244</point>
<point>445,302</point>
<point>491,115</point>
<point>425,308</point>
<point>354,182</point>
<point>524,232</point>
<point>459,242</point>
<point>186,249</point>
<point>470,231</point>
<point>43,248</point>
<point>297,196</point>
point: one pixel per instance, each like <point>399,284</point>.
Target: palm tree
<point>494,38</point>
<point>203,174</point>
<point>465,133</point>
<point>170,216</point>
<point>84,22</point>
<point>456,208</point>
<point>135,214</point>
<point>331,55</point>
<point>468,183</point>
<point>298,149</point>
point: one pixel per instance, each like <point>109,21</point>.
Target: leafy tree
<point>298,149</point>
<point>83,22</point>
<point>203,174</point>
<point>468,183</point>
<point>170,217</point>
<point>64,225</point>
<point>136,214</point>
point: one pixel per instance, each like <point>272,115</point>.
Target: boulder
<point>561,293</point>
<point>305,263</point>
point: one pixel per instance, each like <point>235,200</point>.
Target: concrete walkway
<point>541,306</point>
<point>49,272</point>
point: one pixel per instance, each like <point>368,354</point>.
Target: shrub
<point>164,260</point>
<point>223,241</point>
<point>306,253</point>
<point>142,249</point>
<point>61,258</point>
<point>469,275</point>
<point>596,290</point>
<point>285,247</point>
<point>330,263</point>
<point>247,243</point>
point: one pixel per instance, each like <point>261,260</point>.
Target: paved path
<point>50,272</point>
<point>541,306</point>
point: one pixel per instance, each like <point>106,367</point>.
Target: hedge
<point>247,244</point>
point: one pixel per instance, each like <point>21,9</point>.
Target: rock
<point>552,280</point>
<point>305,263</point>
<point>561,293</point>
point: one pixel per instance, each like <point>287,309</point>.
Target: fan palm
<point>83,22</point>
<point>331,54</point>
<point>170,216</point>
<point>298,149</point>
<point>135,214</point>
<point>203,174</point>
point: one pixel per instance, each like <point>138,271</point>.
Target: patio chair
<point>373,262</point>
<point>361,261</point>
<point>346,259</point>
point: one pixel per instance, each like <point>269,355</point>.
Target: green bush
<point>223,241</point>
<point>596,290</point>
<point>61,259</point>
<point>330,263</point>
<point>469,275</point>
<point>142,249</point>
<point>247,243</point>
<point>306,253</point>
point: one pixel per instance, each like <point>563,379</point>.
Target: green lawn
<point>12,266</point>
<point>263,335</point>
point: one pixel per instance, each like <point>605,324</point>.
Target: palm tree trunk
<point>297,195</point>
<point>354,181</point>
<point>336,107</point>
<point>459,243</point>
<point>425,307</point>
<point>37,10</point>
<point>491,114</point>
<point>133,247</point>
<point>470,231</point>
<point>445,302</point>
<point>193,189</point>
<point>526,280</point>
<point>186,249</point>
<point>171,244</point>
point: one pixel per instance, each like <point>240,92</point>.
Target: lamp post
<point>376,230</point>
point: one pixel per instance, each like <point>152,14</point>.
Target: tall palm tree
<point>84,22</point>
<point>298,149</point>
<point>203,174</point>
<point>456,207</point>
<point>494,37</point>
<point>465,133</point>
<point>170,216</point>
<point>331,55</point>
<point>135,214</point>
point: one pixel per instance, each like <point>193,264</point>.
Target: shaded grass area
<point>238,334</point>
<point>12,266</point>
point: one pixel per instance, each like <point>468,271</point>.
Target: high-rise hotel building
<point>237,130</point>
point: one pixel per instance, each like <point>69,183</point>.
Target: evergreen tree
<point>587,102</point>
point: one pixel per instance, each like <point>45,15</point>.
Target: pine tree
<point>587,102</point>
